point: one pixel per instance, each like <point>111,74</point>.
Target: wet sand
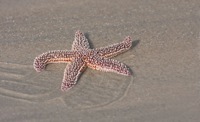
<point>165,58</point>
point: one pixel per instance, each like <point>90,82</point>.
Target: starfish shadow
<point>135,43</point>
<point>89,40</point>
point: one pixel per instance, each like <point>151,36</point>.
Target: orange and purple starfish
<point>81,57</point>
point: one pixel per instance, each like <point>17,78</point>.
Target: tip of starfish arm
<point>66,86</point>
<point>129,73</point>
<point>64,89</point>
<point>38,65</point>
<point>78,32</point>
<point>127,42</point>
<point>126,71</point>
<point>38,69</point>
<point>128,39</point>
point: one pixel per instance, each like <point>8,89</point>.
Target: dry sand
<point>165,86</point>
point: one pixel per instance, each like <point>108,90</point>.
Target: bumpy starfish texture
<point>81,57</point>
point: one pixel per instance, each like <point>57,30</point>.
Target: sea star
<point>81,56</point>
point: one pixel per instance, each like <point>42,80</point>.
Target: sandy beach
<point>164,59</point>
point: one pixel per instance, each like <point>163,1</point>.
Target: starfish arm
<point>80,41</point>
<point>108,65</point>
<point>72,73</point>
<point>56,56</point>
<point>115,49</point>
